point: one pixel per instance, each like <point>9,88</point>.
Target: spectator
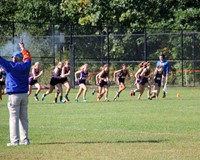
<point>164,63</point>
<point>17,73</point>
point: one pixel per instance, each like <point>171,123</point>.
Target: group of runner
<point>60,74</point>
<point>143,80</point>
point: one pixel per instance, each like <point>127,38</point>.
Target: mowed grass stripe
<point>126,129</point>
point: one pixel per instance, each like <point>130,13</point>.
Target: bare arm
<point>156,69</point>
<point>115,73</point>
<point>137,73</point>
<point>76,73</point>
<point>143,73</point>
<point>98,76</point>
<point>56,73</point>
<point>36,76</point>
<point>63,72</point>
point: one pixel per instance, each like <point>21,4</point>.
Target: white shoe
<point>25,143</point>
<point>12,144</point>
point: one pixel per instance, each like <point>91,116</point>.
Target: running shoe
<point>36,98</point>
<point>93,92</point>
<point>62,101</point>
<point>117,95</point>
<point>76,100</point>
<point>164,95</point>
<point>67,99</point>
<point>131,93</point>
<point>84,100</point>
<point>149,98</point>
<point>54,101</point>
<point>43,96</point>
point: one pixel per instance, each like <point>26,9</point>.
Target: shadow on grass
<point>106,142</point>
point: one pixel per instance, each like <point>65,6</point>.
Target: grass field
<point>122,130</point>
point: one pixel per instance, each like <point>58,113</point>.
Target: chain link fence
<point>50,43</point>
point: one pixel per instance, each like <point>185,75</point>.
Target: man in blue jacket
<point>17,73</point>
<point>164,63</point>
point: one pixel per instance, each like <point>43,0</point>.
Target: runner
<point>158,73</point>
<point>33,80</point>
<point>122,73</point>
<point>64,80</point>
<point>82,82</point>
<point>138,79</point>
<point>102,81</point>
<point>55,81</point>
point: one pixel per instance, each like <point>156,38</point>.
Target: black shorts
<point>121,80</point>
<point>144,81</point>
<point>158,82</point>
<point>54,81</point>
<point>81,81</point>
<point>2,83</point>
<point>32,81</point>
<point>103,83</point>
<point>63,80</point>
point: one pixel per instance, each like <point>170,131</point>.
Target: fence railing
<point>99,45</point>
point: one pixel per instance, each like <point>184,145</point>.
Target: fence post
<point>145,44</point>
<point>182,56</point>
<point>193,53</point>
<point>102,45</point>
<point>72,58</point>
<point>108,46</point>
<point>53,45</point>
<point>13,35</point>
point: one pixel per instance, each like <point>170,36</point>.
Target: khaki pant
<point>18,106</point>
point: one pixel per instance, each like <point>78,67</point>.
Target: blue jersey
<point>165,65</point>
<point>17,74</point>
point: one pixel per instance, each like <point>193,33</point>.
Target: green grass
<point>126,129</point>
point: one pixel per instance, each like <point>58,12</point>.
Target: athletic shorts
<point>81,81</point>
<point>121,80</point>
<point>103,83</point>
<point>32,81</point>
<point>2,83</point>
<point>63,80</point>
<point>54,81</point>
<point>158,82</point>
<point>143,81</point>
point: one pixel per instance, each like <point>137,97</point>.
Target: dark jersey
<point>147,72</point>
<point>144,80</point>
<point>66,70</point>
<point>83,75</point>
<point>123,74</point>
<point>36,72</point>
<point>158,75</point>
<point>58,73</point>
<point>2,75</point>
<point>104,74</point>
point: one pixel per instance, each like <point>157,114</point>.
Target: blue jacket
<point>17,74</point>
